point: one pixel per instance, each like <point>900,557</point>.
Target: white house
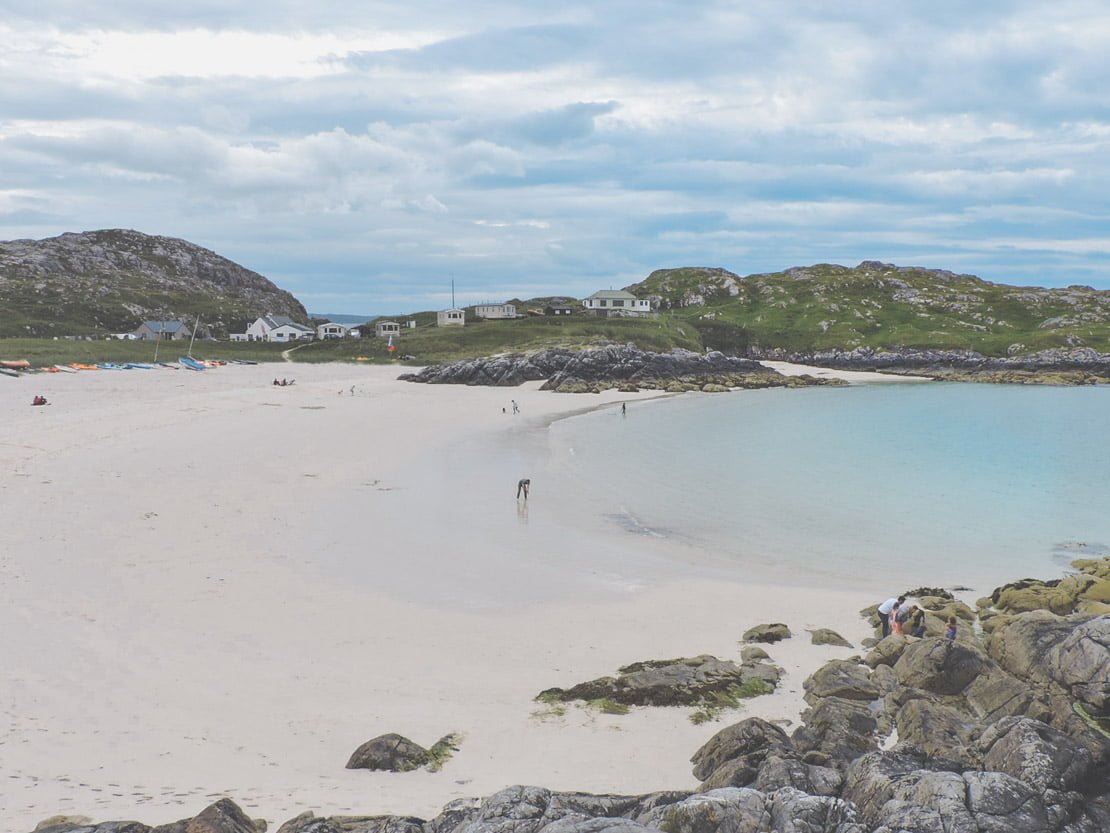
<point>277,328</point>
<point>495,311</point>
<point>616,302</point>
<point>332,330</point>
<point>385,329</point>
<point>450,318</point>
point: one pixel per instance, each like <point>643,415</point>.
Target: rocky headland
<point>1072,366</point>
<point>1004,730</point>
<point>621,366</point>
<point>112,280</point>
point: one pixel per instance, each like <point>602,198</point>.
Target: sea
<point>893,485</point>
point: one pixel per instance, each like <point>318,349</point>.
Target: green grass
<point>442,750</point>
<point>607,706</point>
<point>45,352</point>
<point>427,343</point>
<point>719,701</point>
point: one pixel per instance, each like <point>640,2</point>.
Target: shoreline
<point>222,588</point>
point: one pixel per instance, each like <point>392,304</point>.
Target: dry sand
<point>212,587</point>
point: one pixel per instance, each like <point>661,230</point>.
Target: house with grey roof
<point>164,330</point>
<point>609,303</point>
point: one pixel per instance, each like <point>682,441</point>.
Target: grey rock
<point>777,772</point>
<point>752,653</point>
<point>838,728</point>
<point>597,368</point>
<point>840,678</point>
<point>773,632</point>
<point>1042,756</point>
<point>887,651</point>
<point>824,636</point>
<point>937,729</point>
<point>391,752</point>
<point>940,666</point>
<point>750,741</point>
<point>1081,664</point>
<point>727,810</point>
<point>686,681</point>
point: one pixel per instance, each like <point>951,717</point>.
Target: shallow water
<point>897,484</point>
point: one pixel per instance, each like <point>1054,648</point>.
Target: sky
<point>365,155</point>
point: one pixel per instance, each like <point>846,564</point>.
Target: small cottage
<point>164,330</point>
<point>331,330</point>
<point>385,329</point>
<point>557,310</point>
<point>450,318</point>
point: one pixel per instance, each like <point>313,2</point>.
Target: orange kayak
<point>84,367</point>
<point>15,364</point>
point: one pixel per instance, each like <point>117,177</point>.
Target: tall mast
<point>191,340</point>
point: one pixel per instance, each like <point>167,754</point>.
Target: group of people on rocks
<point>897,617</point>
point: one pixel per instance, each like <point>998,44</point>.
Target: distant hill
<point>342,318</point>
<point>877,305</point>
<point>98,282</point>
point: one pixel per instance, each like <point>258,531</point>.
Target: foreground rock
<point>626,367</point>
<point>396,753</point>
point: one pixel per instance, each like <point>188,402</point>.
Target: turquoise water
<point>901,484</point>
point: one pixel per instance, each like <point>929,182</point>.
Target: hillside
<point>878,305</point>
<point>98,282</point>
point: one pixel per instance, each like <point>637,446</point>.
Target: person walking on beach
<point>624,409</point>
<point>522,487</point>
<point>516,409</point>
<point>884,612</point>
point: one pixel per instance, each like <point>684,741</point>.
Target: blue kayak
<point>191,363</point>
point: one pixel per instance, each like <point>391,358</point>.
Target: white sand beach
<point>212,587</point>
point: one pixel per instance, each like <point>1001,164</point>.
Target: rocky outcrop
<point>592,370</point>
<point>112,280</point>
<point>949,364</point>
<point>691,681</point>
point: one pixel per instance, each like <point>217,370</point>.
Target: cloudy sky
<point>363,155</point>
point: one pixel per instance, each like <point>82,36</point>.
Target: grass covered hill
<point>877,305</point>
<point>98,282</point>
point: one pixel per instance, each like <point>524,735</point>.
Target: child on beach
<point>896,622</point>
<point>950,631</point>
<point>917,622</point>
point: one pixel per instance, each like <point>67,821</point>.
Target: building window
<point>618,303</point>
